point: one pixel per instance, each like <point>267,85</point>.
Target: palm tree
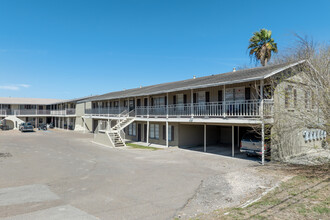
<point>262,45</point>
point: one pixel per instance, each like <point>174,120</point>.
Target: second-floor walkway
<point>246,108</point>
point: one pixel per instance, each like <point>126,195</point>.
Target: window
<point>306,99</point>
<point>207,96</point>
<point>247,93</point>
<point>288,96</point>
<point>174,99</point>
<point>158,101</point>
<point>171,133</point>
<point>267,92</point>
<point>220,96</point>
<point>154,131</point>
<point>132,129</point>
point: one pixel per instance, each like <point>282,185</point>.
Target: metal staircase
<point>116,133</point>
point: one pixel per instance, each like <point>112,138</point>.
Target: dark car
<point>51,125</point>
<point>42,127</point>
<point>26,127</point>
<point>251,144</point>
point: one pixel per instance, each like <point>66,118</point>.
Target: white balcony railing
<point>245,108</point>
<point>103,111</point>
<point>37,112</point>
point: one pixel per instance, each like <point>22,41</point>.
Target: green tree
<point>261,46</point>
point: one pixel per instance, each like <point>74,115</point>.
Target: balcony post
<point>148,110</point>
<point>36,110</point>
<point>224,101</point>
<point>167,105</point>
<point>192,102</point>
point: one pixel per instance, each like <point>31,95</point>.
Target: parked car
<point>251,144</point>
<point>50,125</point>
<point>26,127</point>
<point>42,127</point>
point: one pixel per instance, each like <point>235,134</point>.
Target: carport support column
<point>148,132</point>
<point>232,141</point>
<point>204,137</point>
<point>166,133</point>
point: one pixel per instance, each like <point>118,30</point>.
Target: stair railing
<point>122,136</point>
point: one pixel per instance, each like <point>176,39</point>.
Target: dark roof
<point>81,99</point>
<point>239,76</point>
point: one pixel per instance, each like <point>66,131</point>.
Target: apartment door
<point>145,133</point>
<point>138,102</point>
<point>139,132</point>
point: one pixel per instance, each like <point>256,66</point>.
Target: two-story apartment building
<point>211,112</point>
<point>206,111</point>
<point>61,113</point>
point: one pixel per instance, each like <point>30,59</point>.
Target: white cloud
<point>24,85</point>
<point>14,87</point>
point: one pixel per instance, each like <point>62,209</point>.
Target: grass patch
<point>137,146</point>
<point>321,209</point>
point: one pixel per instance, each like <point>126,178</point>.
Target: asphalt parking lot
<point>62,175</point>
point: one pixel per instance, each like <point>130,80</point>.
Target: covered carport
<point>213,138</point>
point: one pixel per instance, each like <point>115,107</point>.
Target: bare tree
<point>301,97</point>
<point>312,77</point>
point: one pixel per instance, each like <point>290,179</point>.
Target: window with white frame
<point>154,131</point>
<point>170,133</point>
<point>132,129</point>
<point>158,101</point>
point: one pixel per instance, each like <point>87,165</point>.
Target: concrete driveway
<point>62,175</point>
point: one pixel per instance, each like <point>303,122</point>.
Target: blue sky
<point>74,48</point>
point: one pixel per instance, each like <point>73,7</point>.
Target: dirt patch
<point>305,196</point>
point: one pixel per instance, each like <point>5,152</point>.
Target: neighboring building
<point>62,113</point>
<point>206,111</point>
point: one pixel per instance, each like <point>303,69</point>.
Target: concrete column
<point>232,141</point>
<point>166,133</point>
<point>204,137</point>
<point>147,132</point>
